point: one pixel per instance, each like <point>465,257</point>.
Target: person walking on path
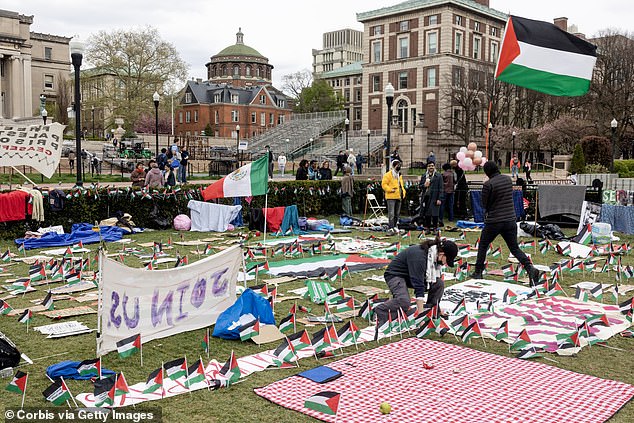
<point>271,162</point>
<point>417,267</point>
<point>347,191</point>
<point>281,163</point>
<point>515,166</point>
<point>499,219</point>
<point>527,170</point>
<point>394,193</point>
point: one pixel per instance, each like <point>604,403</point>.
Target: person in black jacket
<point>461,191</point>
<point>499,219</point>
<point>417,267</point>
<point>432,194</point>
<point>302,172</point>
<point>342,159</point>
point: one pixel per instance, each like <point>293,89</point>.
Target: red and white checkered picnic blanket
<point>464,385</point>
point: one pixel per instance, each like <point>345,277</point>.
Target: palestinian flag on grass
<point>205,342</point>
<point>471,331</point>
<point>568,340</point>
<point>176,369</point>
<point>366,310</point>
<point>262,290</point>
<point>509,296</point>
<point>597,291</point>
<point>154,381</point>
<point>5,308</point>
<point>426,328</point>
<point>522,341</point>
<point>335,296</point>
<point>347,304</point>
<point>441,327</point>
<point>627,306</point>
<point>503,331</point>
<point>57,393</point>
<point>325,402</point>
<point>598,319</point>
<point>287,323</point>
<point>208,250</point>
<point>461,307</point>
<point>73,277</point>
<point>6,256</point>
<point>181,261</point>
<point>196,374</point>
<point>348,332</point>
<point>47,302</point>
<point>321,340</point>
<point>26,316</point>
<point>542,57</point>
<point>581,294</point>
<point>18,383</point>
<point>555,289</point>
<point>121,386</point>
<point>300,340</point>
<point>250,329</point>
<point>284,352</point>
<point>230,369</point>
<point>21,248</point>
<point>585,236</point>
<point>104,391</point>
<point>128,346</point>
<point>530,352</point>
<point>37,272</point>
<point>90,367</point>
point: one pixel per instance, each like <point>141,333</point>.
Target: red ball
<point>257,233</point>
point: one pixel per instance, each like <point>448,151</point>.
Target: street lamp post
<point>238,163</point>
<point>92,111</point>
<point>368,165</point>
<point>347,122</point>
<point>77,54</point>
<point>44,115</point>
<point>613,125</point>
<point>389,99</point>
<point>411,150</point>
<point>156,97</point>
<point>514,133</point>
<point>488,152</point>
<point>310,142</point>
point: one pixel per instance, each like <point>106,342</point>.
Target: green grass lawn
<point>239,403</point>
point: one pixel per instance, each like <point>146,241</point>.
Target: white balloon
<point>468,162</point>
<point>463,149</point>
<point>477,154</point>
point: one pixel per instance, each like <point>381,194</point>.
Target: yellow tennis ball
<point>385,408</point>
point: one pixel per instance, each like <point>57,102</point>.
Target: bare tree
<point>64,89</point>
<point>293,84</point>
<point>141,63</point>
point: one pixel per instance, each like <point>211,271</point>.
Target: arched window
<point>402,110</point>
<point>248,71</point>
<point>258,71</point>
<point>236,70</point>
<point>223,70</point>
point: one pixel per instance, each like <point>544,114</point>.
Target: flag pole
<point>26,382</point>
<point>162,379</point>
<point>141,351</point>
<point>69,392</point>
<point>208,339</point>
<point>266,206</point>
<point>99,303</point>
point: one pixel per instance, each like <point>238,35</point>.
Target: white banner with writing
<point>161,303</point>
<point>38,146</point>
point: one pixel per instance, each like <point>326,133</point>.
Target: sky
<point>284,31</point>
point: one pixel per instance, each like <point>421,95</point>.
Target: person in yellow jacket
<point>394,192</point>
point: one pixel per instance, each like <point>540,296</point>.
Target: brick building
<point>238,92</point>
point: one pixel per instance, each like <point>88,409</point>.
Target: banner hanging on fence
<point>38,146</point>
<point>161,303</point>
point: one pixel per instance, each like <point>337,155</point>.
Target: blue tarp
<point>80,232</point>
<point>478,210</point>
<point>68,370</point>
<point>249,302</point>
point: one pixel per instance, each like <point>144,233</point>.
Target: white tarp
<point>38,146</point>
<point>160,303</point>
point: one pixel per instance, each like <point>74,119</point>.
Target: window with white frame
<point>236,70</point>
<point>280,119</point>
<point>48,53</point>
<point>235,98</point>
<point>48,82</point>
<point>458,42</point>
<point>477,47</point>
<point>281,103</point>
<point>376,83</point>
<point>195,115</point>
<point>271,118</point>
<point>217,117</point>
<point>180,117</point>
<point>403,47</point>
<point>188,98</point>
<point>476,26</point>
<point>458,20</point>
<point>404,26</point>
<point>433,20</point>
<point>188,117</point>
<point>495,49</point>
<point>402,80</point>
<point>432,42</point>
<point>495,32</point>
<point>376,51</point>
<point>235,117</point>
<point>262,119</point>
<point>431,77</point>
<point>377,30</point>
<point>254,117</point>
<point>248,71</point>
<point>217,98</point>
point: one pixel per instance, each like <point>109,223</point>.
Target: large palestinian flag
<point>313,267</point>
<point>542,57</point>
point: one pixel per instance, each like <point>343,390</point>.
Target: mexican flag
<point>128,346</point>
<point>542,57</point>
<point>325,402</point>
<point>57,393</point>
<point>249,180</point>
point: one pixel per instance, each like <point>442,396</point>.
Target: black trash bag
<point>9,355</point>
<point>158,220</point>
<point>529,228</point>
<point>551,231</point>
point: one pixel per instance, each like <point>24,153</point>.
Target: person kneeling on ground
<point>416,267</point>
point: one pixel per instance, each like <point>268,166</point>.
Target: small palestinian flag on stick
<point>176,369</point>
<point>230,370</point>
<point>26,317</point>
<point>154,382</point>
<point>250,329</point>
<point>90,367</point>
<point>128,346</point>
<point>326,402</point>
<point>542,57</point>
<point>5,308</point>
<point>21,249</point>
<point>57,392</point>
<point>47,302</point>
<point>18,384</point>
<point>205,342</point>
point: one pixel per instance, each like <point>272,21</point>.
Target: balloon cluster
<point>470,157</point>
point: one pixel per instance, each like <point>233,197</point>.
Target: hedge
<point>93,204</point>
<point>625,168</point>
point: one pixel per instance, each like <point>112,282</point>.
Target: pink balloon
<point>472,146</point>
<point>477,161</point>
<point>460,156</point>
<point>461,165</point>
<point>469,154</point>
<point>484,160</point>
